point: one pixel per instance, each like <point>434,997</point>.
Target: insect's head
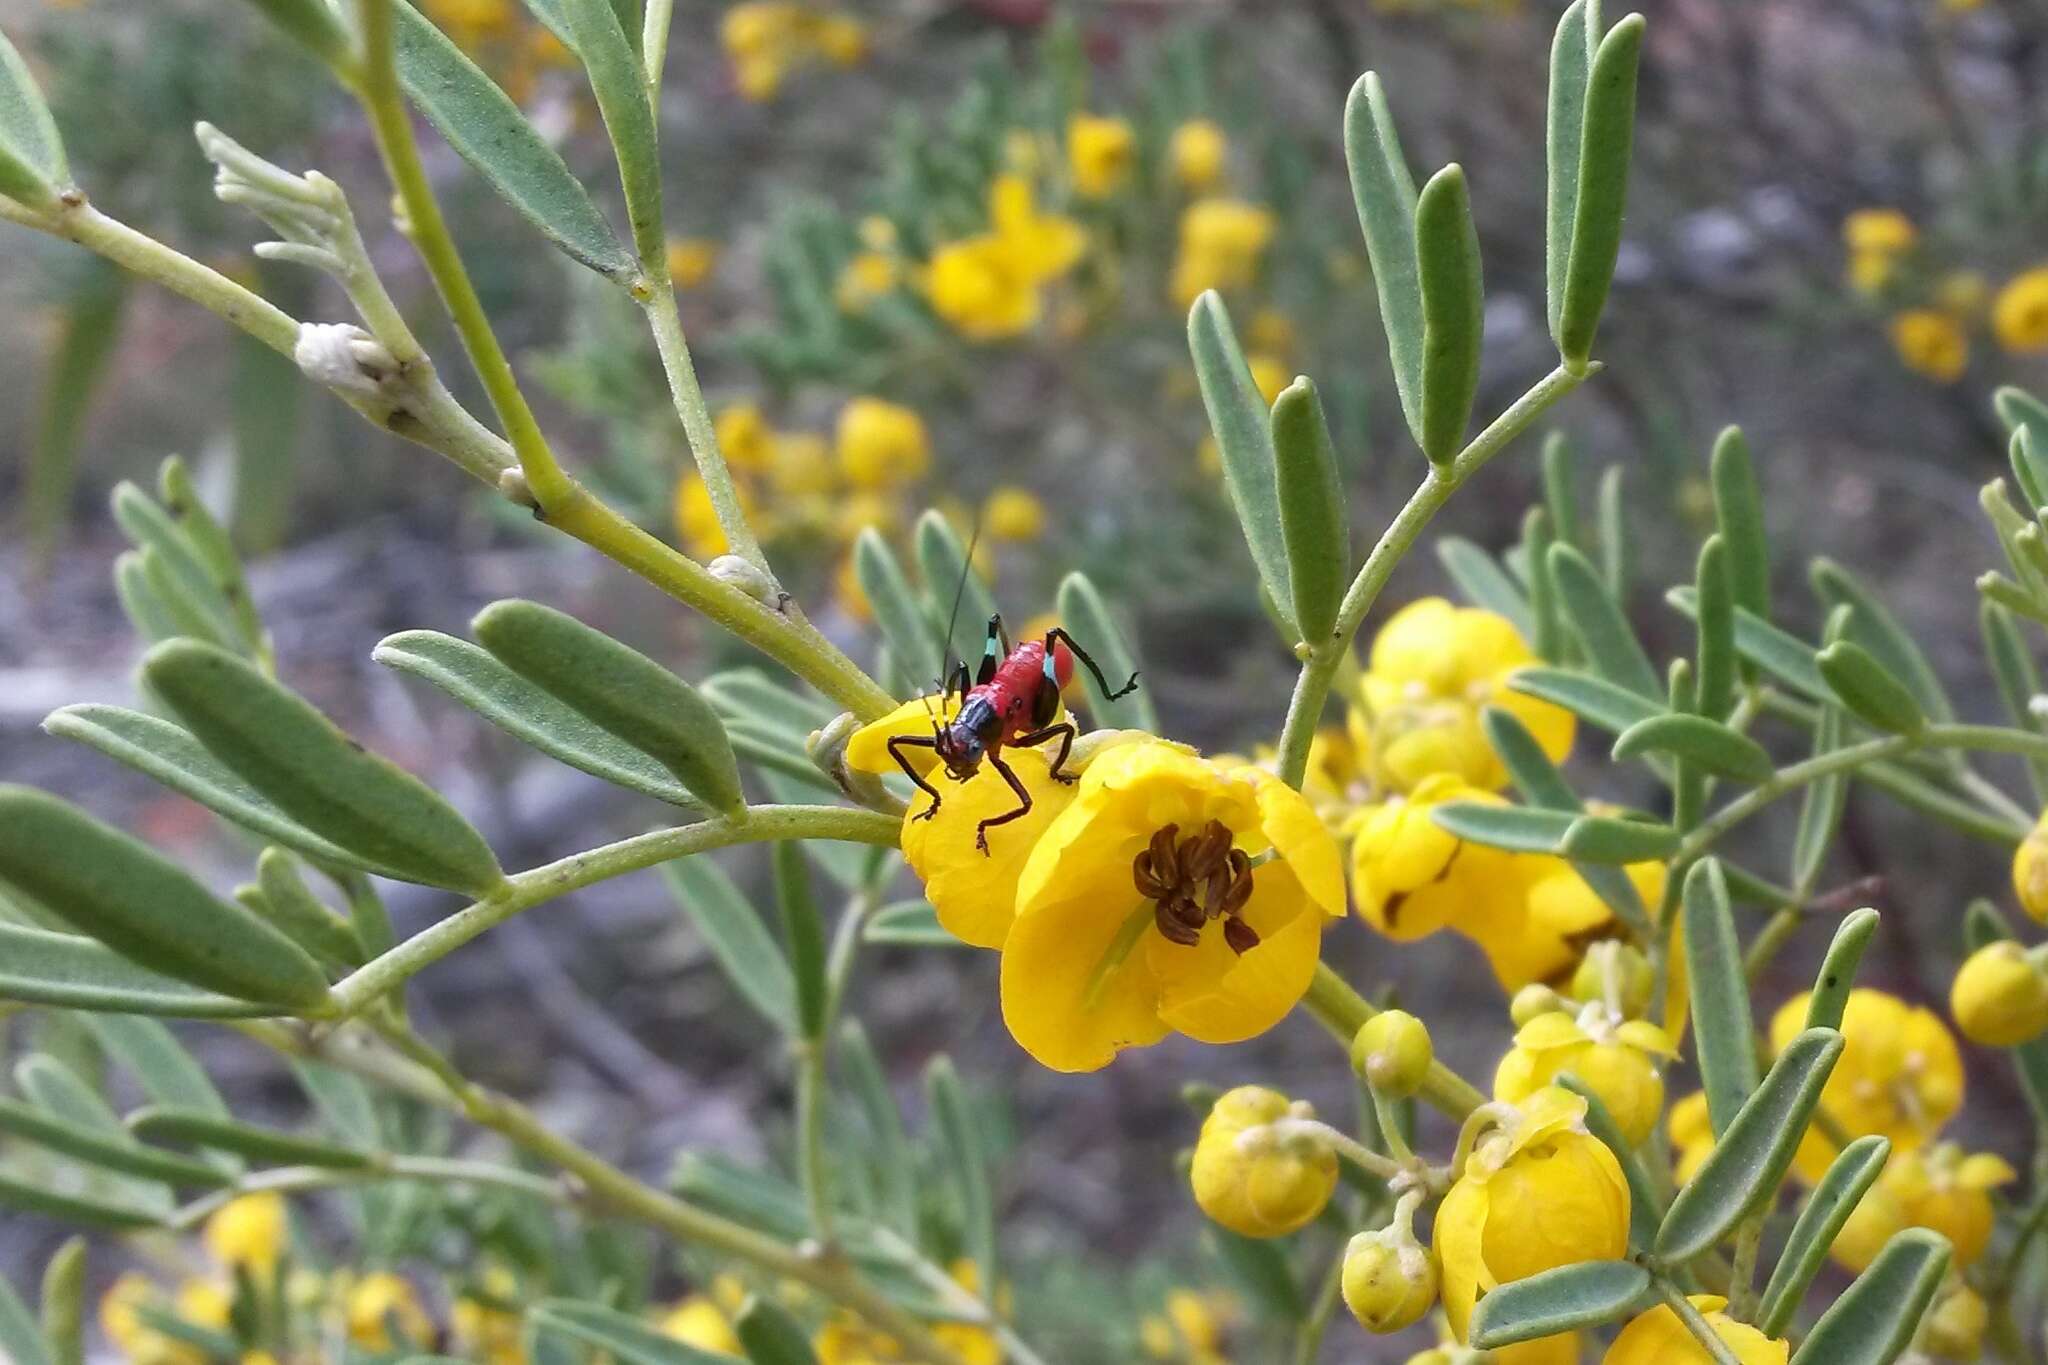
<point>960,749</point>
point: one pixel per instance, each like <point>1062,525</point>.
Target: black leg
<point>991,656</point>
<point>1065,731</point>
<point>1057,634</point>
<point>897,745</point>
<point>1009,776</point>
<point>958,683</point>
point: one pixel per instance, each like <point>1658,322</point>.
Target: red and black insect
<point>1013,701</point>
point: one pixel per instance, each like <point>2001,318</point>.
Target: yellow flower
<point>1253,1176</point>
<point>1871,271</point>
<point>697,520</point>
<point>1932,344</point>
<point>744,437</point>
<point>379,1300</point>
<point>1199,1320</point>
<point>2030,871</point>
<point>1659,1338</point>
<point>1013,513</point>
<point>881,445</point>
<point>1433,666</point>
<point>1879,230</point>
<point>2000,998</point>
<point>1412,877</point>
<point>841,39</point>
<point>1099,154</point>
<point>1537,1192</point>
<point>1196,153</point>
<point>802,465</point>
<point>690,260</point>
<point>121,1319</point>
<point>864,510</point>
<point>1140,911</point>
<point>1221,244</point>
<point>2019,317</point>
<point>1938,1188</point>
<point>846,1339</point>
<point>867,277</point>
<point>1271,331</point>
<point>489,1324</point>
<point>987,286</point>
<point>249,1231</point>
<point>1955,1329</point>
<point>1900,1074</point>
<point>698,1321</point>
<point>848,593</point>
<point>1389,1279</point>
<point>1616,1058</point>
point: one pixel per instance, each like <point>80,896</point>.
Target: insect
<point>1015,695</point>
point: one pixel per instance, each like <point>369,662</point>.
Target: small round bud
<point>1955,1329</point>
<point>1619,973</point>
<point>2030,871</point>
<point>1393,1052</point>
<point>1259,1167</point>
<point>2000,998</point>
<point>747,577</point>
<point>1533,1000</point>
<point>1390,1279</point>
<point>512,483</point>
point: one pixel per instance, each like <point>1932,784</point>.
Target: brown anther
<point>1195,880</point>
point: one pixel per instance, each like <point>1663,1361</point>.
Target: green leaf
<point>64,1302</point>
<point>733,931</point>
<point>33,1194</point>
<point>1081,609</point>
<point>1786,657</point>
<point>151,618</point>
<point>120,891</point>
<point>1385,194</point>
<point>487,130</point>
<point>300,915</point>
<point>1851,1173</point>
<point>1562,1300</point>
<point>90,326</point>
<point>21,1338</point>
<point>911,924</point>
<point>38,967</point>
<point>1739,512</point>
<point>1696,739</point>
<point>1596,619</point>
<point>771,1336</point>
<point>621,690</point>
<point>1876,1318</point>
<point>759,1199</point>
<point>472,676</point>
<point>1863,686</point>
<point>1614,537</point>
<point>1244,440</point>
<point>1645,1204</point>
<point>95,1147</point>
<point>1720,997</point>
<point>960,1156</point>
<point>887,1145</point>
<point>627,1339</point>
<point>1538,535</point>
<point>63,1094</point>
<point>1606,141</point>
<point>1559,501</point>
<point>1590,698</point>
<point>184,581</point>
<point>166,1072</point>
<point>1872,625</point>
<point>2012,665</point>
<point>319,776</point>
<point>2029,468</point>
<point>1611,839</point>
<point>943,568</point>
<point>32,164</point>
<point>1742,1173</point>
<point>1483,583</point>
<point>1820,809</point>
<point>1313,525</point>
<point>912,637</point>
<point>1453,311</point>
<point>750,694</point>
<point>1571,56</point>
<point>210,543</point>
<point>1540,784</point>
<point>803,929</point>
<point>1837,976</point>
<point>1516,828</point>
<point>190,1128</point>
<point>315,26</point>
<point>1715,625</point>
<point>616,79</point>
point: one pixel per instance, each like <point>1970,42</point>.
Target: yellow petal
<point>1985,1171</point>
<point>1552,1029</point>
<point>868,750</point>
<point>1299,835</point>
<point>1062,1002</point>
<point>975,893</point>
<point>1644,1036</point>
<point>1460,1234</point>
<point>1215,995</point>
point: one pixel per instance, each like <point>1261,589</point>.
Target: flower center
<point>1196,879</point>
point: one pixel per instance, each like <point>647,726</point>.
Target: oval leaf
<point>953,589</point>
<point>1562,1300</point>
<point>1244,440</point>
<point>1519,828</point>
<point>1739,512</point>
<point>1813,1232</point>
<point>1876,1318</point>
<point>38,967</point>
<point>1606,141</point>
<point>912,636</point>
<point>771,1336</point>
<point>1483,583</point>
<point>1591,699</point>
<point>1696,739</point>
<point>94,1147</point>
<point>733,931</point>
<point>1720,996</point>
<point>32,163</point>
<point>911,924</point>
<point>1872,694</point>
<point>1312,516</point>
<point>1609,839</point>
<point>1384,192</point>
<point>1571,56</point>
<point>1453,311</point>
<point>191,1128</point>
<point>1837,976</point>
<point>1603,632</point>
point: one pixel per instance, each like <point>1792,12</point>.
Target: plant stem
<point>373,980</point>
<point>396,1166</point>
<point>1312,688</point>
<point>667,324</point>
<point>1308,1337</point>
<point>1709,1340</point>
<point>1343,1011</point>
<point>1742,1276</point>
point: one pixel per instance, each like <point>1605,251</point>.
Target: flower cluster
<point>1934,308</point>
<point>768,40</point>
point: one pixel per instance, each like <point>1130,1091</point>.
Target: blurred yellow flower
<point>1938,1188</point>
<point>376,1303</point>
<point>974,1345</point>
<point>489,1325</point>
<point>1411,877</point>
<point>841,38</point>
<point>1196,153</point>
<point>1900,1074</point>
<point>1692,1135</point>
<point>697,520</point>
<point>1099,154</point>
<point>1221,244</point>
<point>848,593</point>
<point>867,277</point>
<point>863,510</point>
<point>1254,1178</point>
<point>767,39</point>
<point>250,1231</point>
<point>1270,374</point>
<point>1657,1337</point>
<point>1014,514</point>
<point>987,286</point>
<point>698,1321</point>
<point>1432,667</point>
<point>1538,1192</point>
<point>1930,343</point>
<point>802,465</point>
<point>2019,316</point>
<point>121,1319</point>
<point>2030,870</point>
<point>1880,230</point>
<point>1272,332</point>
<point>1617,1058</point>
<point>1140,911</point>
<point>881,444</point>
<point>1560,913</point>
<point>690,260</point>
<point>744,437</point>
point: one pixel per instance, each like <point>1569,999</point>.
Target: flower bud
<point>1393,1052</point>
<point>1618,973</point>
<point>1955,1329</point>
<point>1536,999</point>
<point>749,578</point>
<point>2030,871</point>
<point>1390,1279</point>
<point>2000,998</point>
<point>1253,1172</point>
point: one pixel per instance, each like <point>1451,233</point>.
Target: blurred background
<point>1835,239</point>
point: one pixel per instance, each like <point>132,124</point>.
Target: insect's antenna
<point>959,595</point>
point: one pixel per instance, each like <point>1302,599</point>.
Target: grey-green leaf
<point>190,1128</point>
<point>1783,655</point>
<point>487,130</point>
<point>1872,625</point>
<point>616,79</point>
<point>314,25</point>
<point>737,938</point>
<point>124,893</point>
<point>1875,1319</point>
<point>908,924</point>
<point>1566,1299</point>
<point>1820,809</point>
<point>1715,628</point>
<point>966,1167</point>
<point>526,711</point>
<point>910,632</point>
<point>1484,583</point>
<point>1590,698</point>
<point>1571,55</point>
<point>38,967</point>
<point>621,690</point>
<point>1837,975</point>
<point>1851,1173</point>
<point>1601,628</point>
<point>1720,997</point>
<point>21,1339</point>
<point>954,593</point>
<point>2012,665</point>
<point>1739,511</point>
<point>771,1336</point>
<point>1384,192</point>
<point>1872,694</point>
<point>803,930</point>
<point>35,1195</point>
<point>1518,828</point>
<point>1244,440</point>
<point>95,1147</point>
<point>1606,142</point>
<point>301,916</point>
<point>1754,1152</point>
<point>1313,525</point>
<point>1453,311</point>
<point>1540,784</point>
<point>32,163</point>
<point>1696,739</point>
<point>64,1302</point>
<point>1612,839</point>
<point>1087,618</point>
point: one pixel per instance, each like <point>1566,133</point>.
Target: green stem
<point>1312,688</point>
<point>1308,1337</point>
<point>1344,1011</point>
<point>812,1171</point>
<point>667,325</point>
<point>1749,1237</point>
<point>1709,1340</point>
<point>431,1169</point>
<point>756,824</point>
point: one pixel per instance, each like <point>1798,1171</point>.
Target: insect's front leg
<point>1065,731</point>
<point>1023,798</point>
<point>897,745</point>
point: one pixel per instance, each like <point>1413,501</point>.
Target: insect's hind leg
<point>1065,732</point>
<point>897,745</point>
<point>1023,808</point>
<point>1059,634</point>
